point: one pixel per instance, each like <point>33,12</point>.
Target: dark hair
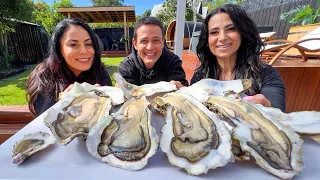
<point>52,76</point>
<point>248,64</point>
<point>147,20</point>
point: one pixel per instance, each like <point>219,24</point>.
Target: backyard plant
<point>302,15</point>
<point>5,58</point>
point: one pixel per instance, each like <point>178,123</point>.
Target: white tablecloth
<point>74,162</point>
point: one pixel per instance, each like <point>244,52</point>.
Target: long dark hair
<point>52,76</point>
<point>248,64</point>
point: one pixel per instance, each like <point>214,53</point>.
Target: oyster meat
<point>29,145</point>
<point>193,138</point>
<point>276,147</point>
<point>126,139</point>
<point>77,115</point>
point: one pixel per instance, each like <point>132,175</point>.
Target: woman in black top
<point>73,57</point>
<point>229,48</point>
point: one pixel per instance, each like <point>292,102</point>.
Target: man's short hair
<point>147,20</point>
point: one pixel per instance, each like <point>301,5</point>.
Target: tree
<point>168,13</point>
<point>48,15</point>
<point>217,3</point>
<point>146,13</point>
<point>107,2</point>
<point>10,13</point>
<point>13,11</point>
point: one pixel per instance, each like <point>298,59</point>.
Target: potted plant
<point>303,15</point>
<point>304,19</point>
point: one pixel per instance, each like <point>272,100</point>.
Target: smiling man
<point>151,62</point>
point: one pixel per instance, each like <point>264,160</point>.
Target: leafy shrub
<point>5,58</point>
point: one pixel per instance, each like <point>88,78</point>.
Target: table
<point>74,162</point>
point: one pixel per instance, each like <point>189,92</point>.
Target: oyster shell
<point>303,122</point>
<point>115,93</point>
<point>276,147</point>
<point>77,114</point>
<point>193,138</point>
<point>126,139</point>
<point>149,89</point>
<point>29,145</point>
<point>211,87</point>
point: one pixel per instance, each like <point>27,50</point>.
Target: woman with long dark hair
<point>230,48</point>
<point>73,56</point>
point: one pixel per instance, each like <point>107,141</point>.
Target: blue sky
<point>139,5</point>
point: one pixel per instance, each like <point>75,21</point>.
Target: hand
<point>117,85</point>
<point>97,85</point>
<point>68,88</point>
<point>258,99</point>
<point>177,83</point>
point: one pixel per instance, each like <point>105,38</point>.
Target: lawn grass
<point>13,89</point>
<point>112,65</point>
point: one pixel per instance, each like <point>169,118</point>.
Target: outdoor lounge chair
<point>310,43</point>
<point>267,36</point>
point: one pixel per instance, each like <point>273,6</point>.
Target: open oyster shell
<point>126,139</point>
<point>276,147</point>
<point>130,90</point>
<point>115,93</point>
<point>29,145</point>
<point>303,122</point>
<point>211,87</point>
<point>77,114</point>
<point>193,138</point>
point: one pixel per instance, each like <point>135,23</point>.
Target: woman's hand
<point>117,85</point>
<point>177,83</point>
<point>258,99</point>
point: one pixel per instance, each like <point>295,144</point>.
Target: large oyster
<point>148,89</point>
<point>126,139</point>
<point>29,145</point>
<point>303,122</point>
<point>211,87</point>
<point>116,94</point>
<point>193,138</point>
<point>276,147</point>
<point>76,115</point>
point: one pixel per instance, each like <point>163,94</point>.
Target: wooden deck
<point>190,63</point>
<point>114,53</point>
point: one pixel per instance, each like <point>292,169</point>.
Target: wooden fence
<point>271,17</point>
<point>28,43</point>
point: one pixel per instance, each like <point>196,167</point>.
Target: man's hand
<point>177,83</point>
<point>258,99</point>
